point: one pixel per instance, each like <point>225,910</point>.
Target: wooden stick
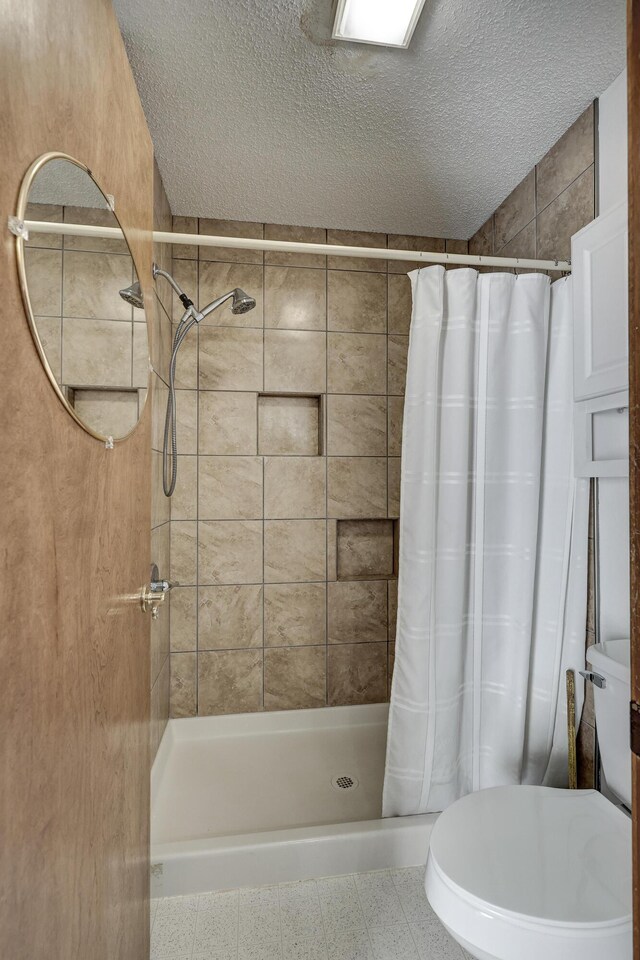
<point>571,730</point>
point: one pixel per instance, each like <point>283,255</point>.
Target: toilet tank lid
<point>611,657</point>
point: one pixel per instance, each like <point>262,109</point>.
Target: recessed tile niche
<point>108,411</point>
<point>366,549</point>
<point>289,425</point>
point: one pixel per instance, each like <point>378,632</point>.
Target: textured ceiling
<point>257,115</point>
<point>62,183</point>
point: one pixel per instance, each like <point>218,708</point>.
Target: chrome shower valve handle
<point>162,586</point>
<point>153,595</point>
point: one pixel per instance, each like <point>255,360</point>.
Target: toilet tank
<point>610,660</point>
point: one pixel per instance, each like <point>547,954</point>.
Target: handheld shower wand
<point>242,303</point>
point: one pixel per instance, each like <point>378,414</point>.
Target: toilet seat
<point>523,873</point>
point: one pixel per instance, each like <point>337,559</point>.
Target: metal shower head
<point>133,295</point>
<point>242,302</point>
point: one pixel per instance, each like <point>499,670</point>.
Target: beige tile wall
<point>554,201</point>
<point>282,524</point>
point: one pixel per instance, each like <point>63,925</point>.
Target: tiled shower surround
<point>553,201</point>
<point>283,523</point>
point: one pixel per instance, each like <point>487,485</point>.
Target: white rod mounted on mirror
<point>287,246</point>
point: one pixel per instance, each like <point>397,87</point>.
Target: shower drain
<point>345,782</point>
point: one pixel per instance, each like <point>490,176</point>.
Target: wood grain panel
<point>74,537</point>
<point>633,58</point>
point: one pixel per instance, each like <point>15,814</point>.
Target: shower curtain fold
<point>493,541</point>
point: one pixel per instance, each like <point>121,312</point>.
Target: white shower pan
<point>265,798</point>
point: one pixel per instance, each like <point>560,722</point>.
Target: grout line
<point>564,189</point>
<point>388,506</point>
<point>279,919</point>
<point>395,887</point>
<point>237,950</point>
<point>292,395</point>
<point>323,445</point>
<point>377,578</point>
<point>263,578</point>
<point>366,925</point>
<point>286,646</point>
<point>322,923</point>
<point>264,341</point>
<point>197,616</point>
<point>267,329</point>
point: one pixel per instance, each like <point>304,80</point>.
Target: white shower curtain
<point>493,541</point>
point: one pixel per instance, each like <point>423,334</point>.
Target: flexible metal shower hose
<point>169,485</point>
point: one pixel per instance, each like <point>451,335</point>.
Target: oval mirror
<point>91,338</point>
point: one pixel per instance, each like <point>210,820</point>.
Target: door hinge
<point>634,716</point>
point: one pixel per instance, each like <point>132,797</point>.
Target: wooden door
<point>633,62</point>
<point>74,537</point>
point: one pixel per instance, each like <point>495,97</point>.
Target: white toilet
<point>535,873</point>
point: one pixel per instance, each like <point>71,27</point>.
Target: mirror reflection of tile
<point>95,343</point>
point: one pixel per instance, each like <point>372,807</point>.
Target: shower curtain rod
<point>287,246</point>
